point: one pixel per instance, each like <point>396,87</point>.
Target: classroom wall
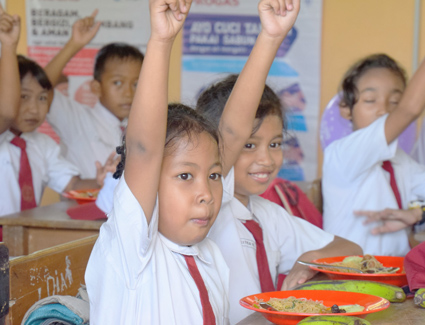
<point>351,29</point>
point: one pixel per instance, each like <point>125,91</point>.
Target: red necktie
<point>25,176</point>
<point>386,165</point>
<point>207,311</point>
<point>262,263</point>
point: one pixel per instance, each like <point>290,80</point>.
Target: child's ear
<point>345,112</point>
<point>95,88</point>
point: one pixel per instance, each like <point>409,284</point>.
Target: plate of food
<point>290,307</point>
<point>82,196</point>
<point>385,269</point>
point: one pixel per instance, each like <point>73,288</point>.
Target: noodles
<point>306,306</point>
<point>367,263</point>
<point>298,305</point>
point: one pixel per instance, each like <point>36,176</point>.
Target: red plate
<point>371,303</point>
<point>398,279</point>
<point>79,195</point>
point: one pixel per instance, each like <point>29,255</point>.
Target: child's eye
<point>24,96</point>
<point>43,98</point>
<point>135,84</point>
<point>276,144</point>
<point>215,176</point>
<point>185,176</point>
<point>249,146</point>
<point>369,101</point>
<point>118,83</point>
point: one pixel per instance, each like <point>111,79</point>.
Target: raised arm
<point>10,87</point>
<point>83,31</point>
<point>147,122</point>
<point>277,18</point>
<point>410,107</point>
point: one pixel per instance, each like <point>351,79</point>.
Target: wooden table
<point>28,231</point>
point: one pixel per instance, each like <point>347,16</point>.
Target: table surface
<point>50,216</point>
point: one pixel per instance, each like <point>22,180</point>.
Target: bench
<point>58,270</point>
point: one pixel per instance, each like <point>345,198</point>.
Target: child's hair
<point>348,86</point>
<point>27,66</point>
<point>111,51</point>
<point>182,121</point>
<point>212,100</point>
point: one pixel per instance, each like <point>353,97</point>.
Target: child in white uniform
<point>90,135</point>
<point>30,160</point>
<point>152,263</point>
<point>377,101</point>
<point>251,126</point>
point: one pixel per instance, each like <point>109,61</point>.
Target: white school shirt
<point>418,150</point>
<point>285,239</point>
<point>137,276</point>
<point>87,134</point>
<point>353,179</point>
<point>48,168</point>
<point>105,198</point>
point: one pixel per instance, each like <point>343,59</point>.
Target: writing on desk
<point>55,282</point>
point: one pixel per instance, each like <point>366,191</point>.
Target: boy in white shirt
<point>90,135</point>
<point>152,263</point>
<point>30,160</point>
<point>251,126</point>
<point>366,170</point>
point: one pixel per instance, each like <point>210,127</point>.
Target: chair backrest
<point>4,282</point>
<point>314,193</point>
<point>58,270</point>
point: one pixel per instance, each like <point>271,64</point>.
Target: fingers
<point>179,8</point>
<point>94,13</point>
<point>280,7</point>
<point>98,165</point>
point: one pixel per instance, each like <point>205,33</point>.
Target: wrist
<point>418,209</point>
<point>73,46</point>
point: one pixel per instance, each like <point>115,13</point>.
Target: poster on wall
<point>49,27</point>
<point>218,36</point>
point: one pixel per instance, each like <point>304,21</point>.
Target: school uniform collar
<point>106,115</point>
<point>193,250</point>
<point>242,212</point>
<point>9,135</point>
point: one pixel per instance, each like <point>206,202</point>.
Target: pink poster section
<point>80,65</point>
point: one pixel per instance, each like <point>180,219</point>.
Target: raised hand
<point>85,29</point>
<point>167,18</point>
<point>10,28</point>
<point>110,166</point>
<point>278,16</point>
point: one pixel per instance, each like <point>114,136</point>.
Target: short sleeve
<point>126,236</point>
<point>59,170</point>
<point>105,197</point>
<point>358,152</point>
<point>296,236</point>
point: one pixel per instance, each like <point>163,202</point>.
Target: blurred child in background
<point>365,170</point>
<point>31,160</point>
<point>90,135</point>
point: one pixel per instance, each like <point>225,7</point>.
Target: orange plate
<point>398,279</point>
<point>80,200</point>
<point>371,303</point>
